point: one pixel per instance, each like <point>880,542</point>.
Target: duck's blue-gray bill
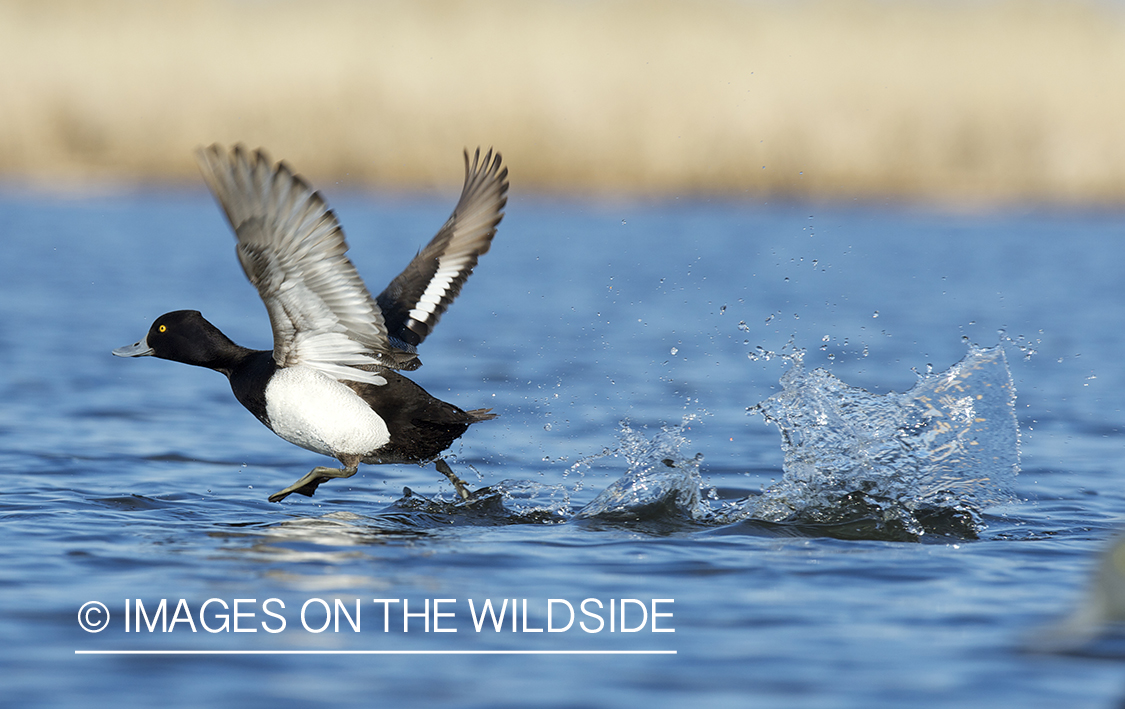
<point>139,349</point>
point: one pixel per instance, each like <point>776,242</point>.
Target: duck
<point>331,383</point>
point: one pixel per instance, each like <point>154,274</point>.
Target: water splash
<point>661,482</point>
<point>924,461</point>
<point>789,353</point>
<point>857,465</point>
<point>1026,346</point>
<point>659,492</point>
<point>901,467</point>
<point>525,498</point>
<point>506,502</point>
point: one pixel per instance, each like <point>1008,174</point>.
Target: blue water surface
<point>144,479</point>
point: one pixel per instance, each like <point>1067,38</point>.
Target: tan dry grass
<point>953,101</point>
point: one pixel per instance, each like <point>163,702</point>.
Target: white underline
<point>374,652</point>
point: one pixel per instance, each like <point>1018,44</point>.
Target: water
<point>622,345</point>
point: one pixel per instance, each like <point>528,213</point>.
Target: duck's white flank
<point>316,412</point>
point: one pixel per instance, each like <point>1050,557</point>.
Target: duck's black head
<point>185,336</point>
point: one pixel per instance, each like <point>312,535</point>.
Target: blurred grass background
<point>950,100</point>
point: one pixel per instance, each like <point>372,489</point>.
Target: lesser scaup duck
<point>329,383</point>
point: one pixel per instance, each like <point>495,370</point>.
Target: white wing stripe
<point>448,271</point>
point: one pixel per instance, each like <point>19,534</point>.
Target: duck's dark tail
<point>480,415</point>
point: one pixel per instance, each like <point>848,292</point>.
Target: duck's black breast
<point>248,380</point>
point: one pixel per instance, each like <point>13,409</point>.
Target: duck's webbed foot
<point>307,485</point>
<point>458,484</point>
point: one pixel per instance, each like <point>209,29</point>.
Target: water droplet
<point>876,314</point>
<point>722,310</point>
<point>622,222</point>
<point>743,326</point>
<point>674,351</point>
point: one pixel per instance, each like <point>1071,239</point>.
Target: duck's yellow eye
<point>163,328</point>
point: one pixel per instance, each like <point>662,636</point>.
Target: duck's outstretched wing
<point>293,251</point>
<point>416,299</point>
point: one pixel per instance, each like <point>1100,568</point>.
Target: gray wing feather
<point>416,299</point>
<point>293,251</point>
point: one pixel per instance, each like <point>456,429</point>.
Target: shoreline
<point>998,102</point>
